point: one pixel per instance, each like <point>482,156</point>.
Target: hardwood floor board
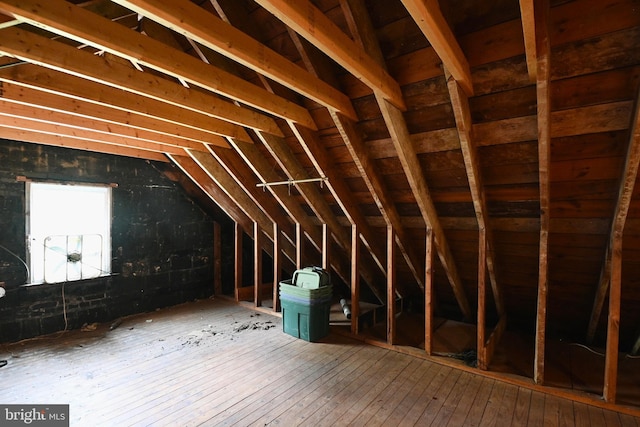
<point>581,414</point>
<point>389,392</point>
<point>536,410</point>
<point>216,363</point>
<point>444,414</point>
<point>490,415</point>
<point>596,415</point>
<point>508,405</point>
<point>352,400</point>
<point>479,403</point>
<point>465,403</point>
<point>411,416</point>
<point>209,393</point>
<point>521,411</point>
<point>305,405</point>
<point>414,394</point>
<point>436,402</point>
<point>392,402</point>
<point>551,411</point>
<point>326,361</point>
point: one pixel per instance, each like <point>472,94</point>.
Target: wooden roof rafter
<point>64,58</point>
<point>68,20</point>
<point>398,130</point>
<point>99,115</point>
<point>32,76</point>
<point>190,20</point>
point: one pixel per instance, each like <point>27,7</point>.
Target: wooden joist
<point>63,18</point>
<point>391,286</point>
<point>193,22</point>
<point>429,297</point>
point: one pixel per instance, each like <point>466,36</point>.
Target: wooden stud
<point>613,324</point>
<point>543,50</point>
<point>355,279</point>
<point>326,246</point>
<point>217,258</point>
<point>257,265</point>
<point>482,295</point>
<point>237,283</point>
<point>428,293</point>
<point>277,266</point>
<point>391,286</point>
<point>299,245</point>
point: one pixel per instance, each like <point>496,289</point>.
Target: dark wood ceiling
<point>504,121</point>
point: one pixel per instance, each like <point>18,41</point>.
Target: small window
<point>69,232</point>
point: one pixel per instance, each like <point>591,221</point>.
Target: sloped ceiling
<point>465,122</point>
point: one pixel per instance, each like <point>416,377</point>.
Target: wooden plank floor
<point>216,363</point>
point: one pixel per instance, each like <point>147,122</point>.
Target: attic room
<point>463,172</point>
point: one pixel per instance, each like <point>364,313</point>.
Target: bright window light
<point>69,232</point>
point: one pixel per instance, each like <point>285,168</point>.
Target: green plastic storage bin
<point>289,289</point>
<point>308,321</point>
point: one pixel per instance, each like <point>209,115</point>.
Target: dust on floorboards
<point>216,363</point>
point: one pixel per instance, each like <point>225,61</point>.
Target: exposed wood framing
<point>460,104</point>
<point>625,192</point>
<point>299,245</point>
<point>277,266</point>
<point>326,246</point>
<point>188,19</point>
<point>314,26</point>
<point>181,136</point>
<point>543,73</point>
<point>257,265</point>
<point>613,325</point>
<point>482,300</point>
<point>355,280</point>
<point>237,282</point>
<point>61,17</point>
<point>217,258</point>
<point>32,76</point>
<point>61,57</point>
<point>427,14</point>
<point>428,293</point>
<point>391,286</point>
<point>527,15</point>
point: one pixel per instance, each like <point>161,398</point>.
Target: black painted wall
<point>162,243</point>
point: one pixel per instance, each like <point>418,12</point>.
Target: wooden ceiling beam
<point>625,192</point>
<point>84,134</point>
<point>53,139</point>
<point>428,16</point>
<point>527,16</point>
<point>23,95</point>
<point>9,109</point>
<point>308,21</point>
<point>39,50</point>
<point>68,20</point>
<point>63,84</point>
<point>193,22</point>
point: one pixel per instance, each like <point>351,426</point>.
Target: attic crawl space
<point>458,166</point>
